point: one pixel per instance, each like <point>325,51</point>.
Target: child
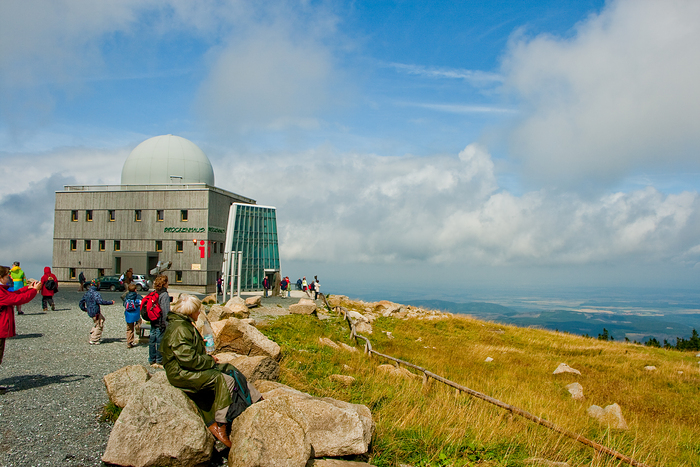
<point>132,314</point>
<point>90,303</point>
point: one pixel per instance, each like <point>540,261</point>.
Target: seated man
<point>211,385</point>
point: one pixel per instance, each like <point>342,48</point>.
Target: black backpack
<point>240,399</point>
<point>51,285</point>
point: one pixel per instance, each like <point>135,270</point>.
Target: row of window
<point>179,245</point>
<point>112,215</point>
<point>101,273</point>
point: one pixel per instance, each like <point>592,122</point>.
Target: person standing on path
<point>266,285</point>
<point>47,292</point>
<point>127,278</point>
<point>18,278</point>
<point>305,287</point>
<point>317,288</point>
<point>81,279</point>
<point>132,315</point>
<point>155,358</point>
<point>91,302</point>
<point>7,301</point>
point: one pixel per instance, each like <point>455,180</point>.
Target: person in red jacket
<point>7,301</point>
<point>46,292</point>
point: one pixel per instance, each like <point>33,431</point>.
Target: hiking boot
<point>219,432</point>
<point>44,309</point>
<point>95,343</point>
<point>157,366</point>
<point>20,312</point>
<point>53,308</point>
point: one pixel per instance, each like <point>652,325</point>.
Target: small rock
<point>650,368</point>
<point>347,347</point>
<point>388,334</point>
<point>328,343</point>
<point>576,391</point>
<point>680,372</point>
<point>363,327</point>
<point>610,415</point>
<point>488,359</point>
<point>401,372</point>
<point>342,379</point>
<point>564,368</point>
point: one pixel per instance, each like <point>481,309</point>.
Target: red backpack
<point>150,307</point>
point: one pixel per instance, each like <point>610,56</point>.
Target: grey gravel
<point>50,415</point>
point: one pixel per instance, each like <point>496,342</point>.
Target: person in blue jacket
<point>91,302</point>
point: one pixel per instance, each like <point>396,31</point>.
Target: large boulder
<point>269,433</point>
<point>124,383</point>
<point>253,368</point>
<point>304,307</point>
<point>160,426</point>
<point>209,299</point>
<point>235,301</point>
<point>233,335</point>
<point>238,310</point>
<point>219,312</point>
<point>610,415</point>
<point>253,301</point>
<point>334,428</point>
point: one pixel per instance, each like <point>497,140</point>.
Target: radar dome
<point>167,159</point>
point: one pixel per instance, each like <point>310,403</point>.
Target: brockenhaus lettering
<point>192,230</point>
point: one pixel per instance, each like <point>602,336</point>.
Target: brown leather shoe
<point>219,431</point>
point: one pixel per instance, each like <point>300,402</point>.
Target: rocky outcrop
<point>253,368</point>
<point>159,426</point>
<point>372,310</point>
<point>576,391</point>
<point>564,368</point>
<point>233,335</point>
<point>610,415</point>
<point>123,384</point>
<point>252,302</point>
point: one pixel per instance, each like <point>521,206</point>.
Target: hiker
<point>126,278</point>
<point>48,288</point>
<point>305,287</point>
<point>199,375</point>
<point>18,278</point>
<point>284,283</point>
<point>266,285</point>
<point>155,358</point>
<point>81,279</point>
<point>7,301</point>
<point>219,283</point>
<point>90,303</point>
<point>132,315</point>
<point>317,288</point>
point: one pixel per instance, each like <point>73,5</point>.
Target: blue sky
<point>403,143</point>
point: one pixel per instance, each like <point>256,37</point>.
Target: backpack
<point>150,307</point>
<point>240,399</point>
<point>51,285</point>
<point>132,305</point>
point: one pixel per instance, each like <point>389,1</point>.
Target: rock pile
<point>373,310</point>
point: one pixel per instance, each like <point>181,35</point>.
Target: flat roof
<point>163,187</point>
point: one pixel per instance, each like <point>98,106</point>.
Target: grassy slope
<point>432,426</point>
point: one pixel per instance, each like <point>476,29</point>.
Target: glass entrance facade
<point>252,230</point>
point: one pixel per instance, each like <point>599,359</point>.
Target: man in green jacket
<point>196,373</point>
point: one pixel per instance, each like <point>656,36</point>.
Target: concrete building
<point>166,209</point>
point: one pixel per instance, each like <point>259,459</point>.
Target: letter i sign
<point>201,250</point>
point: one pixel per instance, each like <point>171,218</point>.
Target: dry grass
<point>431,425</point>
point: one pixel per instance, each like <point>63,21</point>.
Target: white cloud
<point>619,95</point>
<point>475,77</point>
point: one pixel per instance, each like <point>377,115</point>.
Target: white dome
<point>167,160</point>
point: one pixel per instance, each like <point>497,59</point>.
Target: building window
<point>159,245</point>
<point>71,273</point>
<point>160,215</point>
<point>88,215</point>
<point>74,216</point>
<point>183,215</point>
<point>100,273</point>
<point>117,245</point>
<point>112,215</point>
<point>73,245</point>
<point>102,245</point>
<point>178,276</point>
<point>137,215</point>
<point>178,246</point>
<point>88,245</point>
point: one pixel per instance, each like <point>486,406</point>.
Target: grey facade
<point>103,230</point>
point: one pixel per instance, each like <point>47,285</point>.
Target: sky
<point>420,145</point>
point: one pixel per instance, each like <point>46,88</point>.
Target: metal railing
<point>512,409</point>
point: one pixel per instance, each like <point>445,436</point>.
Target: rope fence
<point>512,409</point>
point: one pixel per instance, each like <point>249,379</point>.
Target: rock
<point>650,368</point>
<point>328,343</point>
<point>253,368</point>
<point>335,463</point>
<point>356,317</point>
<point>345,346</point>
<point>159,426</point>
<point>235,301</point>
<point>304,307</point>
<point>576,391</point>
<point>218,312</point>
<point>232,335</point>
<point>610,415</point>
<point>488,360</point>
<point>209,299</point>
<point>363,327</point>
<point>388,334</point>
<point>334,428</point>
<point>342,379</point>
<point>564,368</point>
<point>239,310</point>
<point>269,433</point>
<point>252,302</point>
<point>400,372</point>
<point>124,383</point>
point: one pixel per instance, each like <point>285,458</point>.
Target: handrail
<point>512,409</point>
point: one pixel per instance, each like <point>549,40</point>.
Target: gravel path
<point>50,415</point>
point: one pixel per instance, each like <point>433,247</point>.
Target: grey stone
<point>610,415</point>
<point>564,368</point>
<point>576,391</point>
<point>160,426</point>
<point>251,302</point>
<point>328,343</point>
<point>233,335</point>
<point>122,384</point>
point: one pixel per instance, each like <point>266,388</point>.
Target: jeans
<point>154,355</point>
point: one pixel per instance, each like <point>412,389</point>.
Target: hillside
<point>430,425</point>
